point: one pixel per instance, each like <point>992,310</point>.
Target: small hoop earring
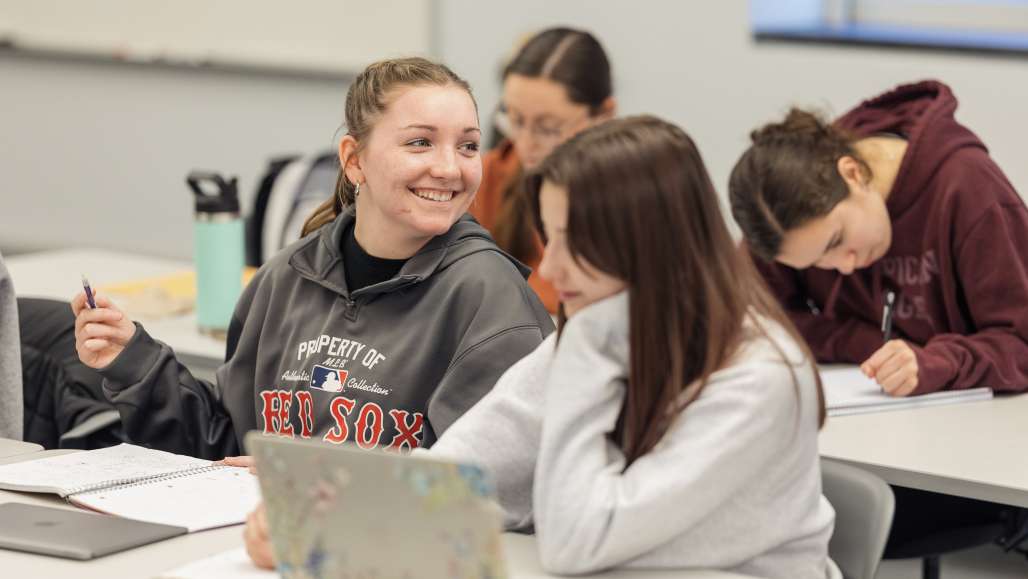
<point>356,190</point>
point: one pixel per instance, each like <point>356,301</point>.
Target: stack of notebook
<point>848,391</point>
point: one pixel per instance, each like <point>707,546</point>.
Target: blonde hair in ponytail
<point>366,100</point>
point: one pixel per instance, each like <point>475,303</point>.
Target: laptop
<point>340,511</point>
<point>74,534</point>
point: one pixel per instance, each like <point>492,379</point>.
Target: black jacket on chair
<point>64,403</point>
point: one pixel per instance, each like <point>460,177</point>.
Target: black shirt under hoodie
<point>362,268</point>
<point>389,365</point>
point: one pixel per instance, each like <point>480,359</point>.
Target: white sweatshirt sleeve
<point>501,434</point>
<point>590,512</point>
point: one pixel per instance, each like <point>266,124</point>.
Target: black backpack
<point>289,191</point>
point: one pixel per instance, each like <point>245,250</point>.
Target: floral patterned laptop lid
<point>340,511</point>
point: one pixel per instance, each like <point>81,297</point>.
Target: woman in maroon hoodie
<point>894,197</point>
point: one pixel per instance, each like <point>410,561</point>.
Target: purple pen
<point>89,293</point>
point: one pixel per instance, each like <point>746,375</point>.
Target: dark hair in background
<point>788,176</point>
<point>365,103</point>
<point>575,60</point>
<point>641,207</point>
<point>572,58</point>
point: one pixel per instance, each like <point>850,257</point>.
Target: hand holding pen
<point>894,365</point>
<point>101,329</point>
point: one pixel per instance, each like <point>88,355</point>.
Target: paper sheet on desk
<point>155,298</point>
<point>217,497</point>
<point>848,391</point>
<point>234,564</point>
<point>160,297</point>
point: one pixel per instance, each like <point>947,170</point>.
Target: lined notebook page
<point>67,472</point>
<point>215,497</point>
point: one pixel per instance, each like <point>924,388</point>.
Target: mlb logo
<point>328,379</point>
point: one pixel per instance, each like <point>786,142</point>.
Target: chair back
<point>864,506</point>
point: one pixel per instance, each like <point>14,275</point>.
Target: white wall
<point>694,63</point>
<point>96,153</point>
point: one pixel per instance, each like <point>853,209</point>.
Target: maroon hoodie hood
<point>922,113</point>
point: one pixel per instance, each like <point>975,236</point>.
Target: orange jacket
<point>499,166</point>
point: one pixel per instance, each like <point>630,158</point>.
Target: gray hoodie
<point>11,405</point>
<point>391,365</point>
<point>734,484</point>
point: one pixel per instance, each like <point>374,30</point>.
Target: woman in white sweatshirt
<point>673,421</point>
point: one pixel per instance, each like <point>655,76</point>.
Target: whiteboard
<point>319,36</point>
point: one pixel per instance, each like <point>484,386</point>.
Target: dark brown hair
<point>788,176</point>
<point>575,60</point>
<point>366,100</point>
<point>641,208</point>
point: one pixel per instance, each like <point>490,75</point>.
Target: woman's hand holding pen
<point>894,367</point>
<point>101,332</point>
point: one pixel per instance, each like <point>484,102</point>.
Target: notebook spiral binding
<point>121,483</point>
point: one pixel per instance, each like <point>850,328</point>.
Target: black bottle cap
<point>213,193</point>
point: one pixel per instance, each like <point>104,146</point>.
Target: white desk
<point>57,275</point>
<point>158,558</point>
<point>973,449</point>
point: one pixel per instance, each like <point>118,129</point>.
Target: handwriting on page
<point>204,500</point>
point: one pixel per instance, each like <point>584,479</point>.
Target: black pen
<point>890,301</point>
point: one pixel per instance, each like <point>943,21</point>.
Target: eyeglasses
<point>544,132</point>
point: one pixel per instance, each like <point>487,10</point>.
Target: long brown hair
<point>366,100</point>
<point>575,60</point>
<point>642,208</point>
<point>787,177</point>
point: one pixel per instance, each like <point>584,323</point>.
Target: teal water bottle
<point>218,250</point>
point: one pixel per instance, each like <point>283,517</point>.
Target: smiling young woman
<point>392,315</point>
<point>418,170</point>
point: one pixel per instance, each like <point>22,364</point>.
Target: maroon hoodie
<point>958,261</point>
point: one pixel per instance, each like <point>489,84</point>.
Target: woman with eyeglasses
<point>556,86</point>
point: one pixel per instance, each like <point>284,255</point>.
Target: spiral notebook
<point>144,484</point>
